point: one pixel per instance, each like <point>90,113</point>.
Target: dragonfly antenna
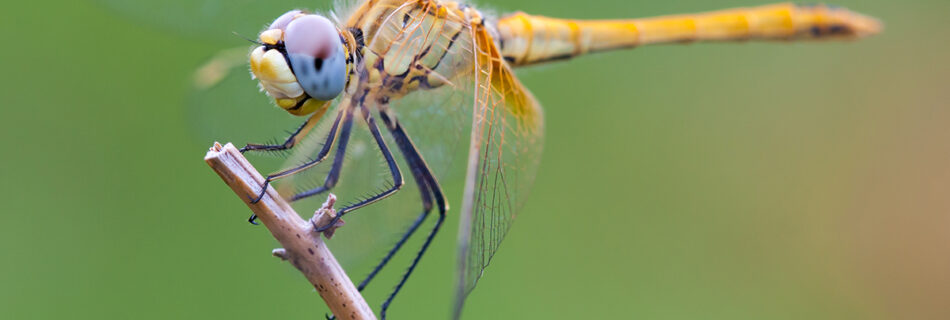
<point>246,38</point>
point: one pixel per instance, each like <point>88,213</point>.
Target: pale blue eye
<point>316,56</point>
<point>320,78</point>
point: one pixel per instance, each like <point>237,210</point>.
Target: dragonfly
<point>366,75</point>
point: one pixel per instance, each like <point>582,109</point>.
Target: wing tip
<point>864,25</point>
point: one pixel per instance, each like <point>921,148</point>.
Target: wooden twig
<point>303,247</point>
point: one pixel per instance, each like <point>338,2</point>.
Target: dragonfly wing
<point>505,121</point>
<point>224,103</point>
<point>505,148</point>
<point>371,230</point>
<point>486,101</point>
<point>436,119</point>
<point>212,19</point>
<point>423,37</point>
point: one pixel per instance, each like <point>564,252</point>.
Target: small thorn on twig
<point>325,215</point>
<point>280,253</point>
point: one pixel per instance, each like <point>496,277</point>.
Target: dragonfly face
<point>302,62</point>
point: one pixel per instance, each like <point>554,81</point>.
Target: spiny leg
<point>426,208</point>
<point>421,173</point>
<point>322,155</point>
<point>291,140</point>
<point>393,169</point>
<point>415,262</point>
<point>289,143</point>
<point>427,199</point>
<point>319,158</point>
<point>428,188</point>
<point>334,175</point>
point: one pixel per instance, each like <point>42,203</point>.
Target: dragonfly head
<point>301,62</point>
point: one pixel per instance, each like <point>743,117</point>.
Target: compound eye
<point>284,19</point>
<point>316,56</point>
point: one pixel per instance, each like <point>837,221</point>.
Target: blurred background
<point>702,181</point>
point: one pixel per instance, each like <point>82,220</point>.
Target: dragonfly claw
<point>260,195</point>
<point>332,224</point>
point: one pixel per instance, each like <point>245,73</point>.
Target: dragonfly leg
<point>291,140</point>
<point>322,155</point>
<point>428,189</point>
<point>390,161</point>
<point>427,182</point>
<point>421,175</point>
<point>427,199</point>
<point>334,174</point>
<point>405,236</point>
<point>415,262</point>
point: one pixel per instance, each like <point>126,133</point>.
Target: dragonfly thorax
<point>302,62</point>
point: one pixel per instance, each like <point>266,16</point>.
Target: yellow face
<point>301,63</point>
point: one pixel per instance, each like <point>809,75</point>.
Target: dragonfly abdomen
<point>527,39</point>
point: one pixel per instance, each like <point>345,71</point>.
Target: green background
<point>705,181</point>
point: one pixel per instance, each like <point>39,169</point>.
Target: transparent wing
<point>414,38</point>
<point>370,231</point>
<point>209,19</point>
<point>225,104</point>
<point>478,99</point>
<point>436,120</point>
<point>502,120</point>
<point>505,148</point>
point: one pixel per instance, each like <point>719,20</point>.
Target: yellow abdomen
<point>527,39</point>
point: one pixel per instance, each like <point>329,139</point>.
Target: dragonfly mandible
<point>384,68</point>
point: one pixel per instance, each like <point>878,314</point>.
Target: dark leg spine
<point>423,176</point>
<point>322,155</point>
<point>390,161</point>
<point>334,174</point>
